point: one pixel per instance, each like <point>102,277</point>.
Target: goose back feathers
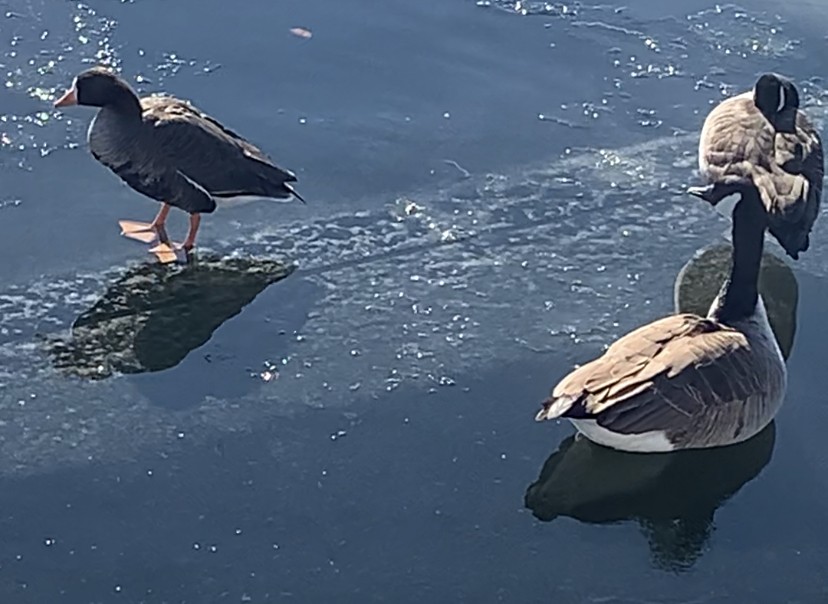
<point>761,138</point>
<point>693,380</point>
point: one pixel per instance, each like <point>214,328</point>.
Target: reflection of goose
<point>672,496</point>
<point>155,315</point>
<point>699,281</point>
<point>761,138</point>
<point>687,381</point>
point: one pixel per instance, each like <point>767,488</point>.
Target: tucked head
<point>778,100</point>
<point>97,87</point>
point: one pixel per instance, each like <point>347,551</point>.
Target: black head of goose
<point>686,381</point>
<point>777,99</point>
<point>170,151</point>
<point>98,87</point>
<point>762,138</point>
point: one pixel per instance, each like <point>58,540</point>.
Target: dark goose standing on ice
<point>168,150</point>
<point>762,138</point>
<point>686,381</point>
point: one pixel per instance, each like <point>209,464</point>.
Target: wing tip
<point>293,192</point>
<point>543,414</point>
<point>553,408</point>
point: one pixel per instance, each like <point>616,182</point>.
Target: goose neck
<point>740,292</point>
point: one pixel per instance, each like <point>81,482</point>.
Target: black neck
<point>740,292</point>
<point>126,103</point>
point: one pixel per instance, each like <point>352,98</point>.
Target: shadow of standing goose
<point>672,496</point>
<point>155,315</point>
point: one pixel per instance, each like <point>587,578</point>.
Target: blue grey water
<point>336,402</point>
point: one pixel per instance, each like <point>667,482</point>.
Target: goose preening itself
<point>686,381</point>
<point>762,138</point>
<point>168,150</point>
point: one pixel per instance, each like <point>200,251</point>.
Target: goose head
<point>778,100</point>
<point>97,87</point>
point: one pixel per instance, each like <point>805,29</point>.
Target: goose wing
<point>659,377</point>
<point>209,153</point>
<point>736,141</point>
<point>739,146</point>
<point>161,181</point>
<point>796,188</point>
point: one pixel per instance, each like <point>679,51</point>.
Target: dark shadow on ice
<point>672,496</point>
<point>155,315</point>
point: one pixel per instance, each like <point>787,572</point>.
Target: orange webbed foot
<point>145,232</point>
<point>167,252</point>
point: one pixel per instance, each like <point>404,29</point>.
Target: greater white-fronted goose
<point>686,381</point>
<point>762,138</point>
<point>168,150</point>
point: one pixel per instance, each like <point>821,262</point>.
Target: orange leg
<point>189,242</point>
<point>161,218</point>
<point>177,252</point>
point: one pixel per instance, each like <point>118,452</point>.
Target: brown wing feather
<point>658,376</point>
<point>740,146</point>
<point>799,156</point>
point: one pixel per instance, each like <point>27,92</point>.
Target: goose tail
<point>555,407</point>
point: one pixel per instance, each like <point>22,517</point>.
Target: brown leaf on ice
<point>301,32</point>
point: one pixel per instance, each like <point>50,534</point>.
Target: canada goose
<point>686,381</point>
<point>762,138</point>
<point>168,150</point>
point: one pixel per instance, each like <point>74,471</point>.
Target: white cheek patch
<point>781,99</point>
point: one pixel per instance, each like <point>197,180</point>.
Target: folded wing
<point>659,377</point>
<point>212,155</point>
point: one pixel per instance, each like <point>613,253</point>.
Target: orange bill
<point>69,98</point>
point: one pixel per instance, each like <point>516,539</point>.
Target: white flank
<point>646,442</point>
<point>232,202</point>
